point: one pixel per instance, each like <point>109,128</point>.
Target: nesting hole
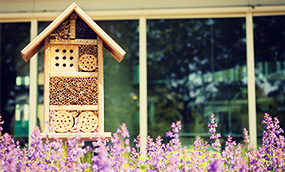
<point>64,50</point>
<point>56,64</point>
<point>56,58</point>
<point>64,58</point>
<point>64,65</point>
<point>57,50</point>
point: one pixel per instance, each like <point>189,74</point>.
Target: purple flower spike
<point>215,165</point>
<point>117,155</point>
<point>1,122</point>
<point>212,129</point>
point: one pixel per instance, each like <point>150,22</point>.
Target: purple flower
<point>1,122</point>
<point>212,129</point>
<point>215,165</point>
<point>100,160</point>
<point>117,155</point>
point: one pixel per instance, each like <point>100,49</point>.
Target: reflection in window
<point>121,80</point>
<point>14,79</point>
<point>269,35</point>
<point>197,67</point>
<point>40,121</point>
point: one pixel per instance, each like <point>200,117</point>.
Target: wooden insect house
<point>73,74</point>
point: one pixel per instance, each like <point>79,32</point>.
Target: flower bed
<point>117,155</point>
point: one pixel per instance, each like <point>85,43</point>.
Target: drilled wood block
<point>62,121</point>
<point>88,58</point>
<point>73,121</point>
<point>87,62</point>
<point>64,58</point>
<point>88,121</point>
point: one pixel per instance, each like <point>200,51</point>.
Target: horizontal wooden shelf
<point>73,107</point>
<point>83,136</point>
<point>74,74</point>
<point>75,41</point>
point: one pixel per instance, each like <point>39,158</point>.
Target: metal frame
<point>142,15</point>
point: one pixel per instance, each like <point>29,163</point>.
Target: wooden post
<point>143,84</point>
<point>46,85</point>
<point>101,84</point>
<point>33,97</point>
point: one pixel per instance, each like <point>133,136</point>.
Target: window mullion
<point>33,83</point>
<point>251,79</point>
<point>143,82</point>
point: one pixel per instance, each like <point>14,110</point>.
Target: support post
<point>251,79</point>
<point>33,91</point>
<point>143,83</point>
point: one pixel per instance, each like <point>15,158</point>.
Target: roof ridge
<point>109,44</point>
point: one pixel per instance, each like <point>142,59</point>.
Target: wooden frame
<point>51,72</point>
<point>110,45</point>
<point>101,84</point>
<point>46,85</point>
<point>74,68</point>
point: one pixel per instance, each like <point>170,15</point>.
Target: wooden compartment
<point>73,69</point>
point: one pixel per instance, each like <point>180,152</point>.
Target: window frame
<point>142,15</point>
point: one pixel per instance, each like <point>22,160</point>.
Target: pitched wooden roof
<point>109,44</point>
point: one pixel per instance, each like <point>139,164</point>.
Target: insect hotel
<point>73,74</point>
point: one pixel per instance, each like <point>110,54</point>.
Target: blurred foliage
<point>269,50</point>
<point>189,66</point>
<point>13,38</point>
<point>121,79</point>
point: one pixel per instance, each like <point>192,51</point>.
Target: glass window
<point>14,79</point>
<point>269,51</point>
<point>121,80</point>
<point>41,54</point>
<point>197,67</point>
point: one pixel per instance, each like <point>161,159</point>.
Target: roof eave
<point>109,44</point>
<point>36,44</point>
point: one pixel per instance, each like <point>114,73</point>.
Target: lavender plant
<point>117,155</point>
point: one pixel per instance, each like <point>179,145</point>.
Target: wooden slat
<point>111,46</point>
<point>72,28</point>
<point>76,41</point>
<point>73,107</point>
<point>34,46</point>
<point>101,84</point>
<point>75,74</point>
<point>83,136</point>
<point>46,84</point>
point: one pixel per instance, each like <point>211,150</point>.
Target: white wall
<point>14,6</point>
